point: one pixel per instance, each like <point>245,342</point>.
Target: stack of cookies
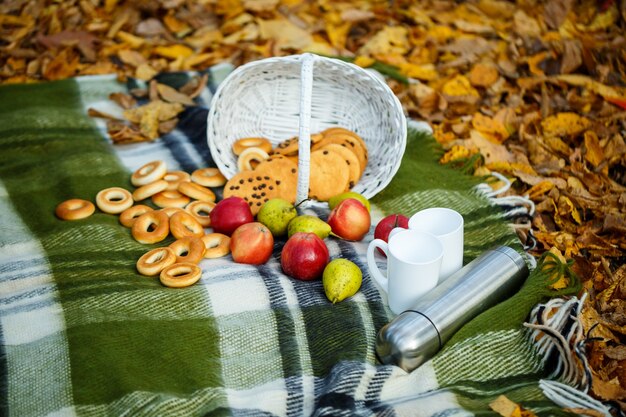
<point>338,159</point>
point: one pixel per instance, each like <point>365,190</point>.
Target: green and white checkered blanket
<point>82,333</point>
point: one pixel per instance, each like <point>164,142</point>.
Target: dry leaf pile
<point>535,90</point>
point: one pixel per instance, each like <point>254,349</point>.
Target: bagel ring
<point>183,224</point>
<point>114,200</point>
<point>74,209</point>
<point>188,249</point>
<point>180,275</point>
<point>196,191</point>
<point>208,177</point>
<point>151,227</point>
<point>244,162</point>
<point>153,262</point>
<point>170,198</point>
<point>217,245</point>
<point>148,173</point>
<point>242,144</point>
<point>174,178</point>
<point>149,190</point>
<point>171,210</point>
<point>128,216</point>
<point>197,208</point>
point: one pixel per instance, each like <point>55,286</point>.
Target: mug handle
<point>382,280</point>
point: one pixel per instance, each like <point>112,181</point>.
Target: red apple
<point>386,225</point>
<point>251,243</point>
<point>304,256</point>
<point>229,214</point>
<point>350,220</point>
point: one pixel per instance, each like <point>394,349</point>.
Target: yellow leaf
<point>157,108</point>
<point>567,123</point>
<point>539,189</point>
<point>194,60</point>
<point>441,135</point>
<point>11,20</point>
<point>459,86</point>
<point>173,51</point>
<point>492,152</point>
<point>320,46</point>
<point>338,33</point>
<point>176,26</point>
<point>491,128</point>
<point>389,40</point>
<point>601,21</point>
<point>507,408</point>
<point>426,72</point>
<point>566,207</point>
<point>510,167</point>
<point>593,151</point>
<point>228,8</point>
<point>203,38</point>
<point>145,72</point>
<point>149,123</point>
<point>364,61</point>
<point>286,34</point>
<point>440,33</point>
<point>557,145</point>
<point>605,91</point>
<point>455,153</point>
<point>132,40</point>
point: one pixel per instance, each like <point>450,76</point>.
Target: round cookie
<point>254,187</point>
<point>349,142</point>
<point>285,174</point>
<point>354,166</point>
<point>329,175</point>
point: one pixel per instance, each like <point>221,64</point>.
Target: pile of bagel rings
<point>183,203</point>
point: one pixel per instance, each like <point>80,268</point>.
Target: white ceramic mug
<point>447,225</point>
<point>413,264</point>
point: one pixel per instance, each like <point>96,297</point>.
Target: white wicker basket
<point>283,97</point>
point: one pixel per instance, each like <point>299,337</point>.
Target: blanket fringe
<point>568,397</point>
<point>518,209</point>
<point>558,335</point>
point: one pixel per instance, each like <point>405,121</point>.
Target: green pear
<point>276,214</point>
<point>341,279</point>
<point>335,200</point>
<point>308,224</point>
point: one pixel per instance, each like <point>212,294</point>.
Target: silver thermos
<point>415,335</point>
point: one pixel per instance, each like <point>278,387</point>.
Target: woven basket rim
<point>400,137</point>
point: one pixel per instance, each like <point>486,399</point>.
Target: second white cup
<point>447,225</point>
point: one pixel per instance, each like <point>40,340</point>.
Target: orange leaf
<point>483,75</point>
<point>173,51</point>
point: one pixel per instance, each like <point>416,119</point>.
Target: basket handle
<point>304,133</point>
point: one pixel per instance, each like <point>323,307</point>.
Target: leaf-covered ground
<point>534,90</point>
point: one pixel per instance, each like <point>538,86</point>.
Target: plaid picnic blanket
<point>82,333</point>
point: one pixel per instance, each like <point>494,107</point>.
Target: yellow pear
<point>341,279</point>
